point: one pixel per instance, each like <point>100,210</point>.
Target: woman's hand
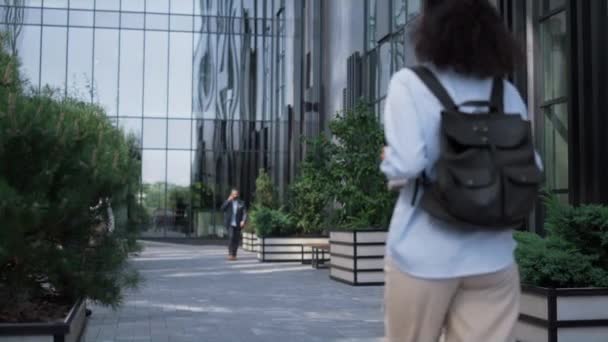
<point>383,155</point>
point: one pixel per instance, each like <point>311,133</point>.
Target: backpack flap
<point>502,131</point>
<point>521,185</point>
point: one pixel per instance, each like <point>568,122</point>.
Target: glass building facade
<point>199,83</point>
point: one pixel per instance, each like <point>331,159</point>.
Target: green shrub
<point>272,222</point>
<point>62,164</point>
<point>573,254</point>
<point>265,195</point>
<point>310,195</point>
<point>357,184</point>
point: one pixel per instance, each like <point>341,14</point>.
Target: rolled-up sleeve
<point>405,156</point>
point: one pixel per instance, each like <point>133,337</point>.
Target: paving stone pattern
<point>192,293</point>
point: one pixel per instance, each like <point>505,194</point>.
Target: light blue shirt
<point>419,244</point>
<point>235,206</point>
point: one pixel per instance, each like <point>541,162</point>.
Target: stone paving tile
<point>191,293</point>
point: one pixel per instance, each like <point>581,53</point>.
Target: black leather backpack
<point>486,173</point>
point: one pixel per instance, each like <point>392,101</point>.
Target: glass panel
<point>132,20</point>
<point>157,21</point>
<point>556,147</point>
<point>132,5</point>
<point>105,75</point>
<point>371,24</point>
<point>153,176</point>
<point>55,17</point>
<point>112,5</point>
<point>413,9</point>
<point>181,23</point>
<point>182,6</point>
<point>553,45</point>
<point>179,134</point>
<point>33,3</point>
<point>56,3</point>
<point>384,69</point>
<point>155,133</point>
<point>399,14</point>
<point>178,191</point>
<point>158,6</point>
<point>81,18</point>
<point>107,19</point>
<point>550,5</point>
<point>32,16</point>
<point>80,63</point>
<point>54,41</point>
<point>82,4</point>
<point>155,84</point>
<point>398,52</point>
<point>131,73</point>
<point>131,126</point>
<point>28,49</point>
<point>180,75</point>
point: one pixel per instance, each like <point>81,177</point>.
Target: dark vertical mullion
<point>167,112</point>
<point>119,55</point>
<point>572,76</point>
<point>67,45</point>
<point>92,90</point>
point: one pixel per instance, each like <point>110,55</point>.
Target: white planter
<point>357,257</point>
<point>563,315</point>
<point>68,330</point>
<point>250,242</point>
<point>287,249</point>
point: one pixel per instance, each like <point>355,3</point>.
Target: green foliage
<point>309,193</point>
<point>573,254</point>
<point>265,195</point>
<point>62,163</point>
<point>357,183</point>
<point>272,222</point>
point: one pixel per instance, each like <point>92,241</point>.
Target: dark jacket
<point>241,213</point>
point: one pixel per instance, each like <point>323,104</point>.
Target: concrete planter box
<point>250,242</point>
<point>68,330</point>
<point>287,249</point>
<point>563,315</point>
<point>357,256</point>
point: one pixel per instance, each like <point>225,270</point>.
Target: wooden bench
<point>318,254</point>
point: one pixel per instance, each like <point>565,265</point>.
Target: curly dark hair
<point>467,36</point>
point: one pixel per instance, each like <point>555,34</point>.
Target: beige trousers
<point>471,309</point>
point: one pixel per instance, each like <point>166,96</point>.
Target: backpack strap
<point>432,82</point>
<point>497,98</point>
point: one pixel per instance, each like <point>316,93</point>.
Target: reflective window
<point>132,126</point>
<point>155,84</point>
<point>33,3</point>
<point>131,72</point>
<point>180,75</point>
<point>56,3</point>
<point>32,16</point>
<point>384,69</point>
<point>29,52</point>
<point>153,169</point>
<point>55,17</point>
<point>399,13</point>
<point>132,20</point>
<point>553,45</point>
<point>551,5</point>
<point>178,168</point>
<point>107,19</point>
<point>80,63</point>
<point>183,6</point>
<point>105,75</point>
<point>133,5</point>
<point>181,23</point>
<point>81,18</point>
<point>83,4</point>
<point>157,21</point>
<point>413,8</point>
<point>112,5</point>
<point>54,40</point>
<point>179,134</point>
<point>159,6</point>
<point>155,133</point>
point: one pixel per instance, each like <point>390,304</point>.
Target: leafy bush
<point>63,165</point>
<point>265,195</point>
<point>310,195</point>
<point>272,222</point>
<point>358,185</point>
<point>573,254</point>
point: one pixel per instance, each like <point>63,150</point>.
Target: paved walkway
<point>191,293</point>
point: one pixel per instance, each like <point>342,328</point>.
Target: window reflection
<point>55,17</point>
<point>54,40</point>
<point>180,75</point>
<point>155,133</point>
<point>553,44</point>
<point>80,63</point>
<point>54,3</point>
<point>112,5</point>
<point>179,134</point>
<point>131,126</point>
<point>160,6</point>
<point>155,84</point>
<point>29,52</point>
<point>81,18</point>
<point>106,69</point>
<point>132,5</point>
<point>83,4</point>
<point>131,72</point>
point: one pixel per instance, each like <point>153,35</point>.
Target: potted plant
<point>68,210</point>
<point>278,235</point>
<point>360,193</point>
<point>565,276</point>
